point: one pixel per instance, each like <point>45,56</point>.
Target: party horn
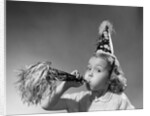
<point>40,80</point>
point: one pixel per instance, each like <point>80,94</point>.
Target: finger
<point>77,75</point>
<point>80,83</point>
<point>74,72</point>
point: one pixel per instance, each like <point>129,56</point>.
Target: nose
<point>88,76</point>
<point>90,73</point>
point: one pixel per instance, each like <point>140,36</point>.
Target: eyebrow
<point>96,65</point>
<point>100,66</point>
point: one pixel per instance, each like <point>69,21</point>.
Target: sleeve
<point>125,103</point>
<point>72,102</point>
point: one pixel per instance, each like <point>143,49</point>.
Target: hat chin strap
<point>110,43</point>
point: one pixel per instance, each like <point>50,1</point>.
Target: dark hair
<point>117,81</point>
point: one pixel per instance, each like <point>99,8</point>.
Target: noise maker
<point>39,81</point>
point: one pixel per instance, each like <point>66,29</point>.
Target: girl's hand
<point>74,83</point>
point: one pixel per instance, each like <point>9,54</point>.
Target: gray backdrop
<point>66,34</point>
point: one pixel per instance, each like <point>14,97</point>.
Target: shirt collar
<point>105,98</point>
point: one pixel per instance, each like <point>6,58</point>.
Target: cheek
<point>100,81</point>
<point>85,75</point>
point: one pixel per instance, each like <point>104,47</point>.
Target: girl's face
<point>97,74</point>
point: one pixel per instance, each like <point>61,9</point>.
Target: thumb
<point>75,72</point>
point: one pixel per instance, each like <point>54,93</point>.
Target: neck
<point>98,93</point>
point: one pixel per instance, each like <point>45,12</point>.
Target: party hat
<point>104,44</point>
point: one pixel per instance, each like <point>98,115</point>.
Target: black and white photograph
<point>72,57</point>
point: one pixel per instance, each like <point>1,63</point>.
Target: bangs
<point>107,57</point>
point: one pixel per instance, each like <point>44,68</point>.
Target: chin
<point>90,88</point>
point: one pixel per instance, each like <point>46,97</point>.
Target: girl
<point>104,80</point>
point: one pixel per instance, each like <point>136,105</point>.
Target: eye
<point>89,68</point>
<point>98,70</point>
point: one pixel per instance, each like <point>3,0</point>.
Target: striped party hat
<point>104,44</point>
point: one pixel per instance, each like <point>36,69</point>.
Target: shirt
<point>82,102</point>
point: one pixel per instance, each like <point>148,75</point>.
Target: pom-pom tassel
<point>39,81</point>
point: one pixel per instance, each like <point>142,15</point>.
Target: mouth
<point>83,81</point>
